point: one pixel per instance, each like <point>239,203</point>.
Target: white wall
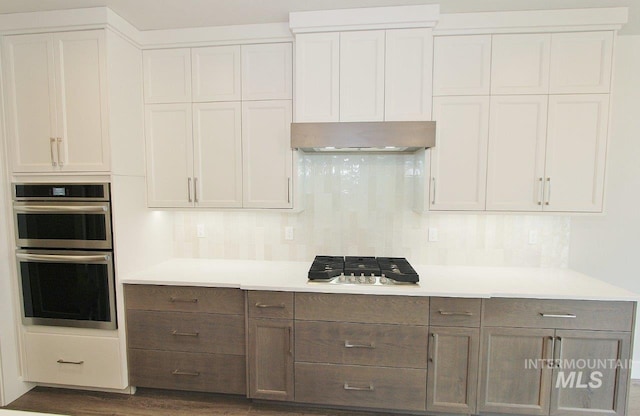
<point>608,247</point>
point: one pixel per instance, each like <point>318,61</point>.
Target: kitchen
<point>352,204</point>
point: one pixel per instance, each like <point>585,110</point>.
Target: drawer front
<point>216,373</point>
<point>184,299</point>
<point>410,310</point>
<point>455,312</point>
<point>74,360</point>
<point>561,314</point>
<point>361,344</point>
<point>182,331</point>
<point>371,387</point>
<point>275,305</point>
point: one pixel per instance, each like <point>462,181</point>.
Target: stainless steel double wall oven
<point>65,254</point>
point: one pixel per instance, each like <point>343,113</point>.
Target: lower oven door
<point>67,288</point>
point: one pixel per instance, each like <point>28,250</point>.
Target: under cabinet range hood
<point>375,136</point>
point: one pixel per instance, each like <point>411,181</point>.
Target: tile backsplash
<point>361,204</point>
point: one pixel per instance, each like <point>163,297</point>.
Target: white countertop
<point>448,281</point>
<point>4,412</point>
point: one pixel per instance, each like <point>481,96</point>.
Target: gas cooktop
<point>362,270</point>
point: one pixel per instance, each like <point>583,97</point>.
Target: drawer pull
<point>347,386</point>
<point>558,315</point>
<point>185,373</point>
<point>454,313</point>
<point>185,334</point>
<point>267,306</point>
<point>349,344</point>
<point>181,300</point>
<point>61,361</point>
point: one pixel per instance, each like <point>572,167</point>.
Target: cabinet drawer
<point>362,344</point>
<point>180,331</point>
<point>455,312</point>
<point>216,373</point>
<point>411,310</point>
<point>184,299</point>
<point>276,305</point>
<point>372,387</point>
<point>73,360</point>
<point>561,314</point>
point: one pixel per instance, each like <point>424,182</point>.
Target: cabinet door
<point>270,359</point>
<point>215,73</point>
<point>167,75</point>
<point>520,64</point>
<point>452,377</point>
<point>317,77</point>
<point>576,151</point>
<point>459,159</point>
<point>362,76</point>
<point>31,102</point>
<point>598,388</point>
<point>266,72</point>
<point>266,154</point>
<point>82,106</point>
<point>461,65</point>
<point>408,69</point>
<point>581,62</point>
<point>217,141</point>
<point>517,136</point>
<point>169,142</point>
<point>515,377</point>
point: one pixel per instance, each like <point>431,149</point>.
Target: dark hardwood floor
<point>147,402</point>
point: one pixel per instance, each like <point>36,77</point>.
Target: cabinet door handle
<point>433,201</point>
<point>433,347</point>
<point>548,191</point>
<point>182,300</point>
<point>185,334</point>
<point>61,361</point>
<point>540,190</point>
<point>178,372</point>
<point>267,306</point>
<point>348,386</point>
<point>548,346</point>
<point>558,315</point>
<point>290,333</point>
<point>189,189</point>
<point>288,190</point>
<point>349,344</point>
<point>52,142</point>
<point>455,313</point>
<point>557,352</point>
<point>195,190</point>
<point>60,160</point>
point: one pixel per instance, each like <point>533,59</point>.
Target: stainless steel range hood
<point>376,136</point>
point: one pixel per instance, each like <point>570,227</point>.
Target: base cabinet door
<point>591,374</point>
<point>452,376</point>
<point>514,377</point>
<point>271,359</point>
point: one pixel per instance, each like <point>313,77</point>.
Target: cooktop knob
<point>352,279</point>
<point>372,279</point>
<point>341,279</point>
<point>384,280</point>
<point>362,279</point>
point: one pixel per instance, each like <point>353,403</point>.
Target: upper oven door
<point>81,225</point>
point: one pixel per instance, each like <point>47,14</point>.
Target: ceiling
<point>172,14</point>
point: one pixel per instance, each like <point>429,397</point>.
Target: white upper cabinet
<point>408,74</point>
<point>267,154</point>
<point>56,102</point>
<point>216,73</point>
<point>576,150</point>
<point>362,75</point>
<point>167,76</point>
<point>581,62</point>
<point>169,142</point>
<point>317,77</point>
<point>517,136</point>
<point>267,72</point>
<point>217,140</point>
<point>462,65</point>
<point>459,159</point>
<point>520,64</point>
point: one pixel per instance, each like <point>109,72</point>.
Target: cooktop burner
<point>362,270</point>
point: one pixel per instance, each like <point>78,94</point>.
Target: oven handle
<point>64,258</point>
<point>61,208</point>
